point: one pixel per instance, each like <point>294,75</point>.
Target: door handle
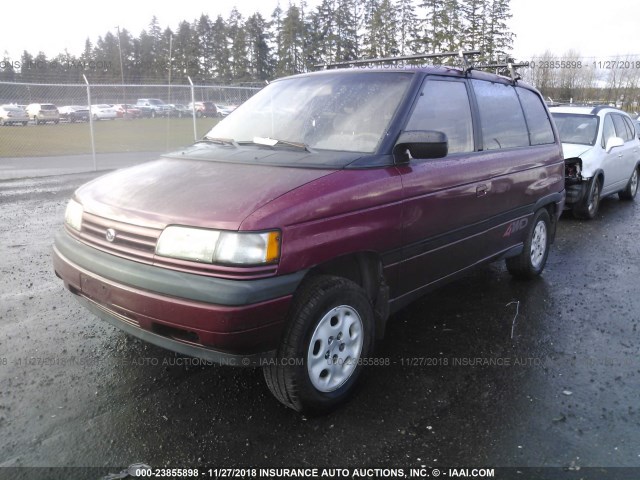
<point>481,190</point>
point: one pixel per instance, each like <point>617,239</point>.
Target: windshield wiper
<point>220,141</point>
<point>272,142</point>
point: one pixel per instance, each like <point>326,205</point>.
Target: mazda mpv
<point>326,202</point>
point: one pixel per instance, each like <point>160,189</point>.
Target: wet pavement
<point>486,371</point>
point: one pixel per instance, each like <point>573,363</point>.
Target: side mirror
<point>614,142</point>
<point>420,144</point>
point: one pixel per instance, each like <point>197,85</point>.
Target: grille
<point>131,241</point>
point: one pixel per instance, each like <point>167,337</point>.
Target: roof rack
<point>460,54</point>
<point>515,76</point>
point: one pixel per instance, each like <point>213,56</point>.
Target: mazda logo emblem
<point>111,235</point>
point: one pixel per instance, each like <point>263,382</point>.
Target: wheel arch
<point>364,269</point>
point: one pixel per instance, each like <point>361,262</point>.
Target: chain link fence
<point>113,123</point>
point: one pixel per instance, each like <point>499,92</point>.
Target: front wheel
<point>533,258</point>
<point>588,207</point>
<point>629,193</point>
<point>329,332</point>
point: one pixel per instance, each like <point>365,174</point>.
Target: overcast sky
<point>595,29</point>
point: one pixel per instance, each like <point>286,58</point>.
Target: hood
<point>190,192</point>
<point>571,150</point>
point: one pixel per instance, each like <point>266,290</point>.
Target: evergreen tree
<point>498,39</point>
<point>258,50</point>
<point>382,40</point>
<point>348,24</point>
<point>7,72</point>
<point>203,45</point>
<point>238,37</point>
<point>473,16</point>
<point>185,54</point>
<point>432,26</point>
<point>407,35</point>
<point>291,54</point>
<point>221,53</point>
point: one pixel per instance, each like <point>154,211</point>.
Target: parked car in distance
<point>125,110</point>
<point>43,113</point>
<point>325,203</point>
<point>103,111</point>
<point>602,155</point>
<point>153,107</point>
<point>179,110</point>
<point>224,110</point>
<point>204,109</point>
<point>74,113</point>
<point>12,114</point>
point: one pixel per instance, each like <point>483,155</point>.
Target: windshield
<point>575,128</point>
<point>348,111</point>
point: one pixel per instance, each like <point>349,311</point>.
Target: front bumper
<point>576,191</point>
<point>227,321</point>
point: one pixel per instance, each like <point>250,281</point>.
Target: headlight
<point>73,215</point>
<point>213,246</point>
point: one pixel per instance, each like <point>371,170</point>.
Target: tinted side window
<point>621,129</point>
<point>540,131</point>
<point>444,106</point>
<point>501,116</point>
<point>607,130</point>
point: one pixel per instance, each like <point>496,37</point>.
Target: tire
<point>35,119</point>
<point>199,114</point>
<point>330,328</point>
<point>56,122</point>
<point>153,114</point>
<point>24,124</point>
<point>587,209</point>
<point>629,193</point>
<point>530,263</point>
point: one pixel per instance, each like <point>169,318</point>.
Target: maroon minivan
<point>326,202</point>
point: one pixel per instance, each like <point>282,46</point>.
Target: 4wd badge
<point>516,226</point>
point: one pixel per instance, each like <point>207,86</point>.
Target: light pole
<point>124,97</point>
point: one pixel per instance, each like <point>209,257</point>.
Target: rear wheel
<point>629,193</point>
<point>533,258</point>
<point>329,332</point>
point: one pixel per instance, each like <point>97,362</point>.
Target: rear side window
<point>621,128</point>
<point>630,126</point>
<point>444,106</point>
<point>503,124</point>
<point>540,131</point>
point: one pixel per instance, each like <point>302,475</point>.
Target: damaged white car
<point>602,156</point>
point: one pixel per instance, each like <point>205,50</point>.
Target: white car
<point>12,114</point>
<point>224,110</point>
<point>602,155</point>
<point>103,111</point>
<point>43,113</point>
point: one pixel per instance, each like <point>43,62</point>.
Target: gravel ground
<point>486,371</point>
